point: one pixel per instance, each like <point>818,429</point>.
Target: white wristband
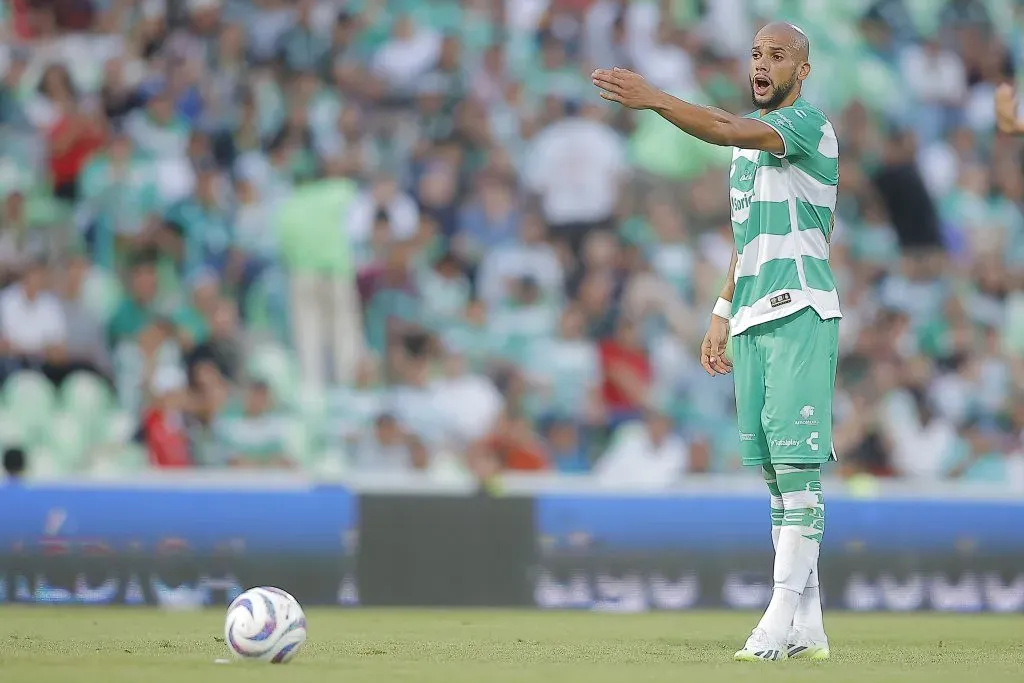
<point>723,308</point>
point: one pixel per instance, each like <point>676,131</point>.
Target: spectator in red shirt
<point>163,425</point>
<point>75,134</point>
<point>511,445</point>
<point>627,373</point>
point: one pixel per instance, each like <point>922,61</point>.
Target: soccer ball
<point>265,624</point>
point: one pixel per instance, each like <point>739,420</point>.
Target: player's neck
<point>788,102</point>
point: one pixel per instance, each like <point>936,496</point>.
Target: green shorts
<point>785,373</point>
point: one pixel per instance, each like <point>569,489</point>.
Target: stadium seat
<point>85,396</point>
<point>133,458</point>
<point>329,465</point>
<point>42,464</point>
<point>311,402</point>
<point>274,365</point>
<point>101,293</point>
<point>30,400</point>
<point>447,467</point>
<point>12,430</point>
<point>299,442</point>
<point>117,429</point>
<point>68,440</point>
<point>127,460</point>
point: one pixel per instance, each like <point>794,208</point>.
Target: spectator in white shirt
<point>923,441</point>
<point>644,454</point>
<point>384,196</point>
<point>389,448</point>
<point>411,52</point>
<point>576,167</point>
<point>531,257</point>
<point>33,328</point>
<point>938,81</point>
<point>469,403</point>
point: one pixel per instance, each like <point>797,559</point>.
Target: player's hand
<point>712,351</point>
<point>625,87</point>
<point>1006,109</point>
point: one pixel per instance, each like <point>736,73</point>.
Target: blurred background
<point>367,235</point>
<point>405,240</point>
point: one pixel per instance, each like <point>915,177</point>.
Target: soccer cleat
<point>760,648</point>
<point>801,646</point>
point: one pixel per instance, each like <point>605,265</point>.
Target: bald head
<point>778,65</point>
<point>789,35</point>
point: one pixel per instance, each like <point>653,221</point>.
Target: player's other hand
<point>1006,109</point>
<point>625,87</point>
<point>712,351</point>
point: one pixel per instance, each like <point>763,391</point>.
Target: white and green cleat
<point>760,648</point>
<point>800,645</point>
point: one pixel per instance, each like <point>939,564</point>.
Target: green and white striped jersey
<point>783,209</point>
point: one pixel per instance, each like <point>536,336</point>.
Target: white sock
<point>779,615</point>
<point>794,558</point>
<point>808,616</point>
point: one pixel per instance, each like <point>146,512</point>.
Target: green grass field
<point>72,645</point>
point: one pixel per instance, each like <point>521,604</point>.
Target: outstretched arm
<point>1006,111</point>
<point>706,123</point>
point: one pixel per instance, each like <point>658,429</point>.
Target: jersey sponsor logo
<point>747,177</point>
<point>741,203</point>
<point>806,413</point>
<point>744,436</point>
<point>780,300</point>
<point>782,119</point>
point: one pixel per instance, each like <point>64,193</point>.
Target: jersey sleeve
<point>800,131</point>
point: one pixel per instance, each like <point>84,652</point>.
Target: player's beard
<point>779,94</point>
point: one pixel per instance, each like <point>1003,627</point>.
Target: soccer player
<point>779,307</point>
<point>1006,111</point>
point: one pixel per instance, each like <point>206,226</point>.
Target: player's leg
<point>796,555</point>
<point>800,364</point>
<point>748,379</point>
<point>778,511</point>
<point>807,637</point>
<point>807,640</point>
<point>748,372</point>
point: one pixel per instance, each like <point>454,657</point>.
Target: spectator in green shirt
<point>251,433</point>
<point>140,306</point>
<point>316,252</point>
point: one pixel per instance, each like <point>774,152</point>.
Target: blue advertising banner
<point>639,553</point>
<point>202,519</point>
<point>176,546</point>
<point>724,523</point>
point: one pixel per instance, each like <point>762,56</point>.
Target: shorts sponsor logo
<point>780,300</point>
<point>812,441</point>
<point>747,437</point>
<point>806,413</point>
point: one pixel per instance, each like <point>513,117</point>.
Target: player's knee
<point>771,480</point>
<point>800,500</point>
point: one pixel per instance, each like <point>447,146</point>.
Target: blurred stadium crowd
<point>393,234</point>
